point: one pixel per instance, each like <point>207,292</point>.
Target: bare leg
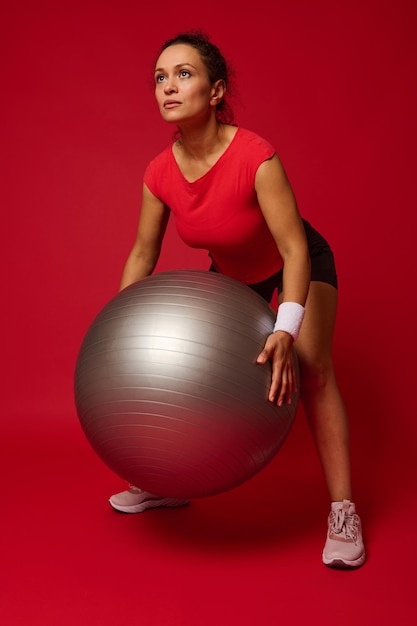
<point>323,404</point>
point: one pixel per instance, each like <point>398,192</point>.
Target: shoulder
<point>255,142</point>
<point>160,159</point>
<point>253,150</point>
<point>159,170</point>
<point>161,162</point>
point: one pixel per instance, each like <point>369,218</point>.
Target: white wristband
<point>289,318</point>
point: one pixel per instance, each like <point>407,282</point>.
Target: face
<point>182,87</point>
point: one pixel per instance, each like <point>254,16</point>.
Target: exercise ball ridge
<point>167,388</point>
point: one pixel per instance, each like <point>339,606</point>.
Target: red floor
<point>250,556</point>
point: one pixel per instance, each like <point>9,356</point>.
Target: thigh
<point>314,344</point>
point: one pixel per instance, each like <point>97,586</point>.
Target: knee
<point>316,376</point>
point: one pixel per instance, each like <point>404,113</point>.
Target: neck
<point>201,141</point>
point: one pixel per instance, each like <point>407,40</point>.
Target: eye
<point>159,78</point>
<point>185,74</point>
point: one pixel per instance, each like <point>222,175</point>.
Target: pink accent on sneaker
<point>136,501</point>
<point>344,545</point>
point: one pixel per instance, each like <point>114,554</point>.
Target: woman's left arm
<point>279,207</point>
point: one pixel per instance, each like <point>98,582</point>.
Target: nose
<point>170,86</point>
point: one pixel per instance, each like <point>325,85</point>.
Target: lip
<point>171,104</point>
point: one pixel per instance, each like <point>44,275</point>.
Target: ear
<point>218,92</point>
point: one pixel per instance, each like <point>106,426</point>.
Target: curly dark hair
<point>216,65</point>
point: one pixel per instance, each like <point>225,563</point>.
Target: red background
<point>333,87</point>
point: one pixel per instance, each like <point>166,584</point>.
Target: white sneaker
<point>344,545</point>
<point>136,501</point>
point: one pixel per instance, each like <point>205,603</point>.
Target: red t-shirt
<point>219,212</point>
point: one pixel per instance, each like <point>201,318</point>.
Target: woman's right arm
<point>144,255</point>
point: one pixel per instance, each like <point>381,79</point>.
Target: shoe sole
<point>341,564</point>
<point>148,504</point>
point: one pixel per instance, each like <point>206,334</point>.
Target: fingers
<point>283,382</point>
<point>263,357</point>
<point>281,386</point>
<point>277,390</point>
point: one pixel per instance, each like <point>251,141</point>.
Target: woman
<point>230,195</point>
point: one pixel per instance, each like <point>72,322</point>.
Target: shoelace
<point>343,524</point>
<point>134,489</point>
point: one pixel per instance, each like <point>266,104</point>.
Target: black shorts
<point>323,267</point>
